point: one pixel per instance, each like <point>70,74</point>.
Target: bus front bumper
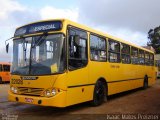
<point>55,101</point>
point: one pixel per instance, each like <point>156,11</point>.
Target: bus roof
<point>69,22</point>
<point>5,63</point>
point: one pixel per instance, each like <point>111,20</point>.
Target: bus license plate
<point>29,100</point>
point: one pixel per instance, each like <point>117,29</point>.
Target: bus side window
<point>125,53</point>
<point>147,59</point>
<point>77,43</point>
<point>97,48</point>
<point>6,68</point>
<point>114,51</point>
<point>151,59</point>
<point>141,57</point>
<point>134,53</point>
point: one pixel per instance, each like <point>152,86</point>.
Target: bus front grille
<point>30,91</point>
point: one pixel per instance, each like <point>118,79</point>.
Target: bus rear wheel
<point>99,95</point>
<point>145,83</point>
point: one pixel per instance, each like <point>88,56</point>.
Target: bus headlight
<point>14,89</point>
<point>50,92</point>
<point>53,92</point>
<point>47,93</point>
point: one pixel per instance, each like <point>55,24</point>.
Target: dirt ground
<point>135,104</point>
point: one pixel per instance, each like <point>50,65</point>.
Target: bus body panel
<point>56,101</point>
<point>44,82</point>
<point>116,76</point>
<point>120,77</point>
<point>79,94</point>
<point>78,88</point>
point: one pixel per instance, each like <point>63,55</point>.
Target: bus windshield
<point>38,55</point>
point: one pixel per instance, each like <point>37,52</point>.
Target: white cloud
<point>127,19</point>
<point>8,24</point>
<point>138,15</point>
<point>134,37</point>
<point>52,13</point>
<point>137,38</point>
<point>9,6</point>
<point>12,15</point>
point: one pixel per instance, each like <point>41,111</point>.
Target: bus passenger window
<point>134,53</point>
<point>141,57</point>
<point>151,59</point>
<point>77,49</point>
<point>97,48</point>
<point>114,51</point>
<point>147,59</point>
<point>6,68</point>
<point>125,52</point>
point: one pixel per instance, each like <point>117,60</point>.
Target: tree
<point>154,39</point>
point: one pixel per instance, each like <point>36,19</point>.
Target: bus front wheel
<point>99,95</point>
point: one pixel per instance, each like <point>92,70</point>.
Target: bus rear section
<point>4,72</point>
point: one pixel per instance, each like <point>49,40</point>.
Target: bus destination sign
<point>39,27</point>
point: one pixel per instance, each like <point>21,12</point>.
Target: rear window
<point>6,68</point>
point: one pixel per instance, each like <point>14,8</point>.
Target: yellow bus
<point>4,72</point>
<point>61,63</point>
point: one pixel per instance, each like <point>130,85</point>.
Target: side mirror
<point>7,47</point>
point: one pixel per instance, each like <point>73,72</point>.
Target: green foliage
<point>154,39</point>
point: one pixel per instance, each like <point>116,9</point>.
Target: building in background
<point>150,48</point>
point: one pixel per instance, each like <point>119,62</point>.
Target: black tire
<point>99,95</point>
<point>145,83</point>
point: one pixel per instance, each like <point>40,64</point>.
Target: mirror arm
<point>8,40</point>
<point>7,45</point>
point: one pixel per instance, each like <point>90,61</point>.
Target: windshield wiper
<point>24,47</point>
<point>7,44</point>
<point>40,40</point>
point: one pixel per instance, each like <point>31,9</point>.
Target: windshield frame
<point>64,57</point>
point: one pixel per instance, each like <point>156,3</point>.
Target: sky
<point>127,19</point>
